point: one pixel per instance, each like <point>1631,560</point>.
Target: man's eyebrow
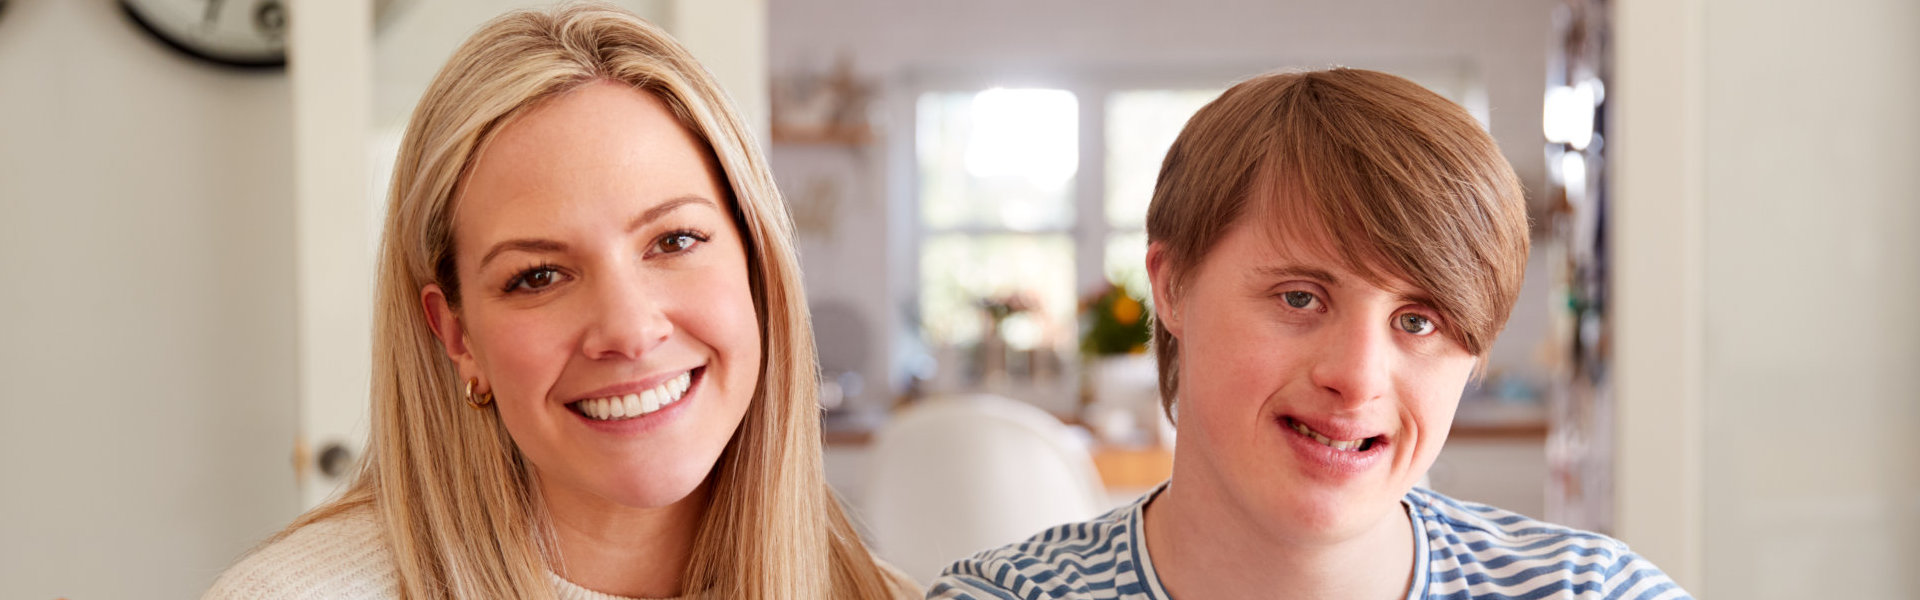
<point>538,245</point>
<point>1409,296</point>
<point>1319,275</point>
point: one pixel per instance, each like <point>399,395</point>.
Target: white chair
<point>951,476</point>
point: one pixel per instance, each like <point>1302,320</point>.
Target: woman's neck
<point>1199,554</point>
<point>621,550</point>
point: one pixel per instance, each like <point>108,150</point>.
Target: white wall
<point>893,43</point>
<point>1812,280</point>
<point>146,314</point>
<point>1796,132</point>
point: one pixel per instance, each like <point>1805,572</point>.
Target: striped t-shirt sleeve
<point>1100,559</point>
<point>960,586</point>
<point>1476,551</point>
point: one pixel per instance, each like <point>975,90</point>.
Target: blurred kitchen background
<point>187,247</point>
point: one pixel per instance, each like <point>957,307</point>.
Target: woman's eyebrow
<point>538,245</point>
<point>654,214</point>
<point>534,245</point>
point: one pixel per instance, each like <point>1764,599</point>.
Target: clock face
<point>241,33</point>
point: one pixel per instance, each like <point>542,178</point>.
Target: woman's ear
<point>445,322</point>
<point>1160,274</point>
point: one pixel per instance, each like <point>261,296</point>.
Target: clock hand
<point>212,12</point>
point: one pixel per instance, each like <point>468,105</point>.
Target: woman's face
<point>1310,400</point>
<point>603,296</point>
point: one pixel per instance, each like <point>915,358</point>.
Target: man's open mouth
<point>1359,445</point>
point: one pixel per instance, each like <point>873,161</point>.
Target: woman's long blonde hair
<point>452,492</point>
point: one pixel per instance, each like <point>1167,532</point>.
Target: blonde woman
<point>593,370</point>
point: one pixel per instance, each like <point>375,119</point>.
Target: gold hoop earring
<point>480,401</point>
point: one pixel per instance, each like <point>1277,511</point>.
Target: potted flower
<point>1118,388</point>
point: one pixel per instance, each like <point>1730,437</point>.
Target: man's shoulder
<point>1480,549</point>
<point>343,556</point>
<point>1095,559</point>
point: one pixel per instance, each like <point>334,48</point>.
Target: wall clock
<point>236,33</point>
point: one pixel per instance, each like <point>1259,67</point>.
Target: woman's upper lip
<point>1336,429</point>
<point>632,387</point>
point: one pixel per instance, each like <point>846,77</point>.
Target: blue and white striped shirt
<point>1463,551</point>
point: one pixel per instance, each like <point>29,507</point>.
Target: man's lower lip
<point>1323,459</point>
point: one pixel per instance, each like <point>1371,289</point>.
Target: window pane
<point>1127,262</point>
<point>1141,124</point>
<point>966,278</point>
<point>1001,158</point>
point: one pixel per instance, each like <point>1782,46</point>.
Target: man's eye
<point>1301,300</point>
<point>1414,324</point>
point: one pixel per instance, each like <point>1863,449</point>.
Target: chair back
<point>954,475</point>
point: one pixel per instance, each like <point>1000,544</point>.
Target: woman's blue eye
<point>1298,299</point>
<point>1414,324</point>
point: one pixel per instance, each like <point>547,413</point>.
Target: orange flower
<point>1126,310</point>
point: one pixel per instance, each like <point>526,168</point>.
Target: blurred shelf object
<point>1580,445</point>
<point>829,108</point>
<point>1485,419</point>
<point>854,135</point>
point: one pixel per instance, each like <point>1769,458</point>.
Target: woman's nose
<point>628,318</point>
<point>1355,361</point>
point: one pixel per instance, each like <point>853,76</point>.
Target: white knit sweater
<point>341,558</point>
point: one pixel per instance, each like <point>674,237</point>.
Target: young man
<point>1332,255</point>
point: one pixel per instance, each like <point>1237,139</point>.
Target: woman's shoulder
<point>342,556</point>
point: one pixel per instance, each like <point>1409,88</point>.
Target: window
<point>1028,198</point>
<point>1141,125</point>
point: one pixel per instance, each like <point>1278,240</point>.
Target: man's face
<point>1310,399</point>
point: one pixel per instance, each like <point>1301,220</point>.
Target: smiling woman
<point>600,273</point>
<point>593,371</point>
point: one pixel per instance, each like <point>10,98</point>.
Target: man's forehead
<point>1290,251</point>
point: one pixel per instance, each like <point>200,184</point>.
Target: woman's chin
<point>640,488</point>
<point>657,492</point>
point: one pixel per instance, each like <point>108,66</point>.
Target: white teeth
<point>1347,445</point>
<point>634,405</point>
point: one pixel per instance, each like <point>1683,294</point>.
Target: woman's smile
<point>612,405</point>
